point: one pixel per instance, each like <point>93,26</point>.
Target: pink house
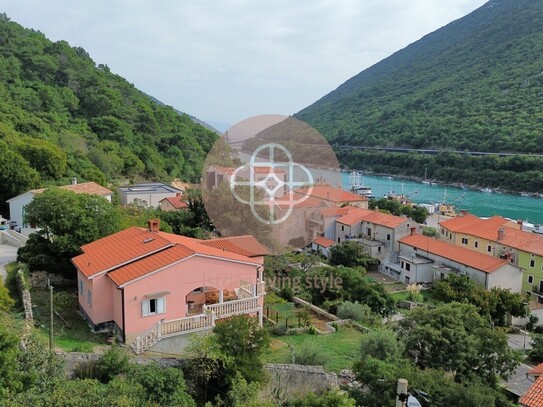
<point>150,284</point>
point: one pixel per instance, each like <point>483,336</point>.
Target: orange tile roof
<point>136,269</point>
<point>488,229</point>
<point>534,395</point>
<point>176,201</point>
<point>199,248</point>
<point>284,202</point>
<point>91,188</point>
<point>117,249</point>
<point>245,245</point>
<point>366,215</point>
<point>385,219</point>
<point>332,194</point>
<point>324,242</point>
<point>334,211</point>
<point>461,255</point>
<point>537,370</point>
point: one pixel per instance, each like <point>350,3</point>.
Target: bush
<point>272,299</point>
<point>113,362</point>
<point>309,355</point>
<point>332,305</point>
<point>357,312</point>
<point>430,231</point>
<point>286,293</point>
<point>279,329</point>
<point>532,322</point>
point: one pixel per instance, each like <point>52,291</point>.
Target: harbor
<point>528,209</point>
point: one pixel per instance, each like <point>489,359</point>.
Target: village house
<point>17,205</point>
<point>148,194</point>
<point>173,203</point>
<point>378,233</point>
<point>504,239</point>
<point>422,259</point>
<point>149,285</point>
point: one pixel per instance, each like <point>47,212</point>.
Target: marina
<point>529,209</point>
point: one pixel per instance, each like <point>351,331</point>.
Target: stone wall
<point>294,381</point>
<point>25,296</point>
<point>316,309</point>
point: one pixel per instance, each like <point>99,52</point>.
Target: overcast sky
<point>227,60</point>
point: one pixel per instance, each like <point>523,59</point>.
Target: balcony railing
<point>206,320</point>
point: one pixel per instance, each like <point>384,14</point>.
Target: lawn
<point>340,349</point>
<point>79,337</point>
<point>392,287</point>
<point>427,295</point>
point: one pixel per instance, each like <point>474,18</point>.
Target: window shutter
<point>160,305</point>
<point>144,308</point>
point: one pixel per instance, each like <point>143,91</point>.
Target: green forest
<point>474,85</point>
<point>64,116</point>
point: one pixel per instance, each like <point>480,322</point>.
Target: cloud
<point>228,60</point>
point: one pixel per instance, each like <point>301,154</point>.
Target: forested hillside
<point>62,116</point>
<point>475,84</point>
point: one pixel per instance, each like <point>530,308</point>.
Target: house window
<point>532,263</point>
<point>342,228</point>
<point>339,240</point>
<point>153,306</point>
<point>368,231</point>
<point>81,287</point>
<point>388,237</point>
<point>379,249</point>
<point>402,263</point>
<point>476,244</point>
<point>408,225</point>
<point>408,266</point>
<point>406,279</point>
<point>464,240</point>
<point>530,279</point>
<point>89,298</point>
<point>489,248</point>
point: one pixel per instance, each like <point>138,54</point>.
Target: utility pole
<point>51,318</point>
<point>401,393</point>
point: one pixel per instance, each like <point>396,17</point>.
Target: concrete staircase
<point>12,238</point>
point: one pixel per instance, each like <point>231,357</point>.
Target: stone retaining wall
<point>316,309</point>
<point>25,296</point>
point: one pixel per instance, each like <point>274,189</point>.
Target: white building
<point>425,260</point>
<point>18,204</point>
<point>147,193</point>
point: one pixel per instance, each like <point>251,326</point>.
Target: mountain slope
<point>62,116</point>
<point>475,84</point>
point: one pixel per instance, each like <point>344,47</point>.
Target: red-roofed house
<point>501,238</point>
<point>377,232</point>
<point>173,203</point>
<point>322,245</point>
<point>424,260</point>
<point>17,204</point>
<point>151,285</point>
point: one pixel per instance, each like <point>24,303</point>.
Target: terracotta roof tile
<point>91,188</point>
<point>310,202</point>
<point>534,395</point>
<point>198,247</point>
<point>366,215</point>
<point>176,201</point>
<point>332,194</point>
<point>488,229</point>
<point>334,211</point>
<point>149,264</point>
<point>117,249</point>
<point>245,245</point>
<point>324,242</point>
<point>537,370</point>
<point>470,258</point>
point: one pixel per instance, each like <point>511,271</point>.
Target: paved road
<point>516,341</point>
<point>7,255</point>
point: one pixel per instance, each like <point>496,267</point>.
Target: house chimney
<point>519,223</point>
<point>154,225</point>
<point>74,181</point>
<point>501,233</point>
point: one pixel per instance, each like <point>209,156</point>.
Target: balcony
<point>247,303</point>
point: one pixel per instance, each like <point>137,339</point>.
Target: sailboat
<point>425,182</point>
<point>356,185</point>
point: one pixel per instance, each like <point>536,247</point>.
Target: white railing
<point>261,288</point>
<point>165,329</point>
<point>193,323</point>
<point>230,308</point>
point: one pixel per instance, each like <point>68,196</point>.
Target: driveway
<point>7,255</point>
<point>517,341</point>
